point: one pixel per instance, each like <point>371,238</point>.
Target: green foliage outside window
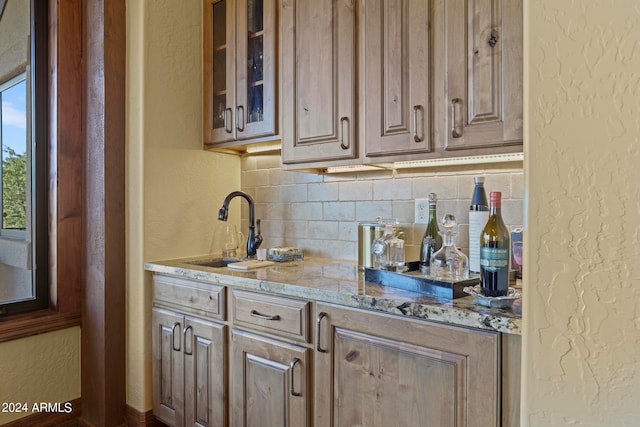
<point>14,190</point>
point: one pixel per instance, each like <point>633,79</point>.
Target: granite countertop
<point>340,282</point>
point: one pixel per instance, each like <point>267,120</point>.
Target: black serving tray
<point>413,280</point>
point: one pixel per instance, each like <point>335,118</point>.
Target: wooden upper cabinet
<point>319,120</point>
<point>396,77</point>
<point>239,70</point>
<point>483,105</point>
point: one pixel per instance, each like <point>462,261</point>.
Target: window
<point>23,192</point>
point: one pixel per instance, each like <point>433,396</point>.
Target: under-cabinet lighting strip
<point>456,161</point>
<point>263,148</point>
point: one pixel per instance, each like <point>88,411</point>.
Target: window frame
<point>58,27</point>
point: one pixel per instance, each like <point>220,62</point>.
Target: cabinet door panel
<point>392,383</point>
<point>219,70</point>
<point>256,68</point>
<point>205,373</point>
<point>378,370</point>
<point>397,113</point>
<point>269,386</point>
<point>484,73</point>
<point>319,80</point>
<point>168,391</point>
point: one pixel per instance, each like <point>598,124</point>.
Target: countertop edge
<point>472,315</point>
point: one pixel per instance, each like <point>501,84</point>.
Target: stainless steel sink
<point>215,262</point>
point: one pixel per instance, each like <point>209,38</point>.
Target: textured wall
<point>175,188</point>
<point>42,368</point>
<point>320,213</point>
<point>582,307</point>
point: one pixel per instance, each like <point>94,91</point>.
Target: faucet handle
<point>258,238</point>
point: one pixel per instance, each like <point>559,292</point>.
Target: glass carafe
<point>448,263</point>
<point>381,247</point>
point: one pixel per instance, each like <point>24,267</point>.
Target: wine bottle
<point>432,240</point>
<point>494,251</point>
<point>478,216</point>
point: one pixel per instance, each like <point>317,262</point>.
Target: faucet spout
<point>253,240</point>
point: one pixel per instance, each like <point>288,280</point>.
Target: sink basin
<point>216,262</point>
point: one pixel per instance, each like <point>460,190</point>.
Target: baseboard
<point>136,418</point>
<point>51,419</point>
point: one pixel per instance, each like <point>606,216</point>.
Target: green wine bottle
<point>432,240</point>
<point>494,251</point>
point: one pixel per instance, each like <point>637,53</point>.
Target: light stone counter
<point>340,282</point>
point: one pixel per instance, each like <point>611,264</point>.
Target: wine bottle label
<point>493,259</point>
<point>477,221</point>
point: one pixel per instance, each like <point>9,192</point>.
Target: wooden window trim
<point>66,179</point>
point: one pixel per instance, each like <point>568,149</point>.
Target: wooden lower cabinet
<point>269,382</point>
<point>377,370</point>
<point>189,370</point>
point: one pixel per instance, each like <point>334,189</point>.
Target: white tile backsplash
<point>320,213</point>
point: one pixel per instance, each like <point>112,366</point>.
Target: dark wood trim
<point>66,154</point>
<point>51,419</point>
<point>34,323</point>
<point>136,418</point>
<point>103,349</point>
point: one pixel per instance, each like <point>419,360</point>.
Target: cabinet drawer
<point>190,296</point>
<point>273,314</point>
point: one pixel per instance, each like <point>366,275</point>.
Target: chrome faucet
<point>253,239</point>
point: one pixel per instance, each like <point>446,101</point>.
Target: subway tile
<point>367,211</point>
<point>304,211</point>
<point>255,178</point>
<point>446,188</point>
<point>355,190</point>
<point>517,186</point>
<point>280,177</point>
<point>323,230</point>
<point>404,211</point>
<point>269,194</point>
<point>339,211</point>
<point>294,229</point>
<point>306,178</point>
<point>323,191</point>
<point>270,161</point>
<point>293,193</point>
<point>497,182</point>
<point>348,230</point>
<point>392,189</point>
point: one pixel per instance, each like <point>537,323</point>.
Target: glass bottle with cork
<point>432,240</point>
<point>494,251</point>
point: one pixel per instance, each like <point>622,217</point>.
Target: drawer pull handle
<point>173,337</point>
<point>264,316</point>
<point>319,324</point>
<point>184,337</point>
<point>292,365</point>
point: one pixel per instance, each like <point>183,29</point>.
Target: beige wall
<point>582,306</point>
<point>42,368</point>
<point>175,188</point>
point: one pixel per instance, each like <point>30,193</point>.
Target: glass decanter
<point>381,248</point>
<point>448,263</point>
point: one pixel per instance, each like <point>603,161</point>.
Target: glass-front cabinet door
<point>239,70</point>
